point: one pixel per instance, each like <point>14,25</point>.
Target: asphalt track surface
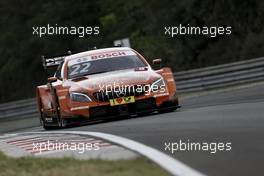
<point>235,116</point>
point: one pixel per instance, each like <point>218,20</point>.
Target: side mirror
<point>156,61</point>
<point>52,79</point>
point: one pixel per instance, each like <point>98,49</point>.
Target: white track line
<point>173,166</point>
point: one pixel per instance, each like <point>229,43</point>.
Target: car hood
<point>122,77</point>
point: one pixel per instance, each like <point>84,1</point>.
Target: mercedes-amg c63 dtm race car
<point>101,84</point>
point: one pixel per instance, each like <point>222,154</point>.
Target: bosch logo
<point>108,55</point>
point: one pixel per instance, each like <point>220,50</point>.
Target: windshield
<point>104,65</point>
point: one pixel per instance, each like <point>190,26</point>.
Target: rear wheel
<point>167,110</point>
<point>144,113</point>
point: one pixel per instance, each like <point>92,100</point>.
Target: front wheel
<point>49,127</point>
<point>45,125</point>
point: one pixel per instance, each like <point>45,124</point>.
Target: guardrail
<point>187,81</point>
<point>220,75</point>
<point>18,109</point>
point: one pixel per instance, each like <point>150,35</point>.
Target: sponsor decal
<point>122,100</point>
<point>103,55</point>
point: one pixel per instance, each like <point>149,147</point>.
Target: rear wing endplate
<point>50,62</point>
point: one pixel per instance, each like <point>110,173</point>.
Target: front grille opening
<point>107,95</point>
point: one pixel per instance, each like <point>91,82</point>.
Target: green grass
<point>32,166</point>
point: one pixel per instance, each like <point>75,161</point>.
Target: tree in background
<point>141,20</point>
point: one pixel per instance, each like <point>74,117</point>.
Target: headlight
<point>157,85</point>
<point>80,97</point>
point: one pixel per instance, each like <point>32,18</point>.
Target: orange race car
<point>102,84</point>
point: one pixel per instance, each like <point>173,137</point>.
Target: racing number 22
<point>80,68</point>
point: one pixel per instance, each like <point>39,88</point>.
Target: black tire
<point>43,124</point>
<point>141,114</point>
<point>49,127</point>
<point>167,110</point>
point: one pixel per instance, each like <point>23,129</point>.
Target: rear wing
<point>52,62</point>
